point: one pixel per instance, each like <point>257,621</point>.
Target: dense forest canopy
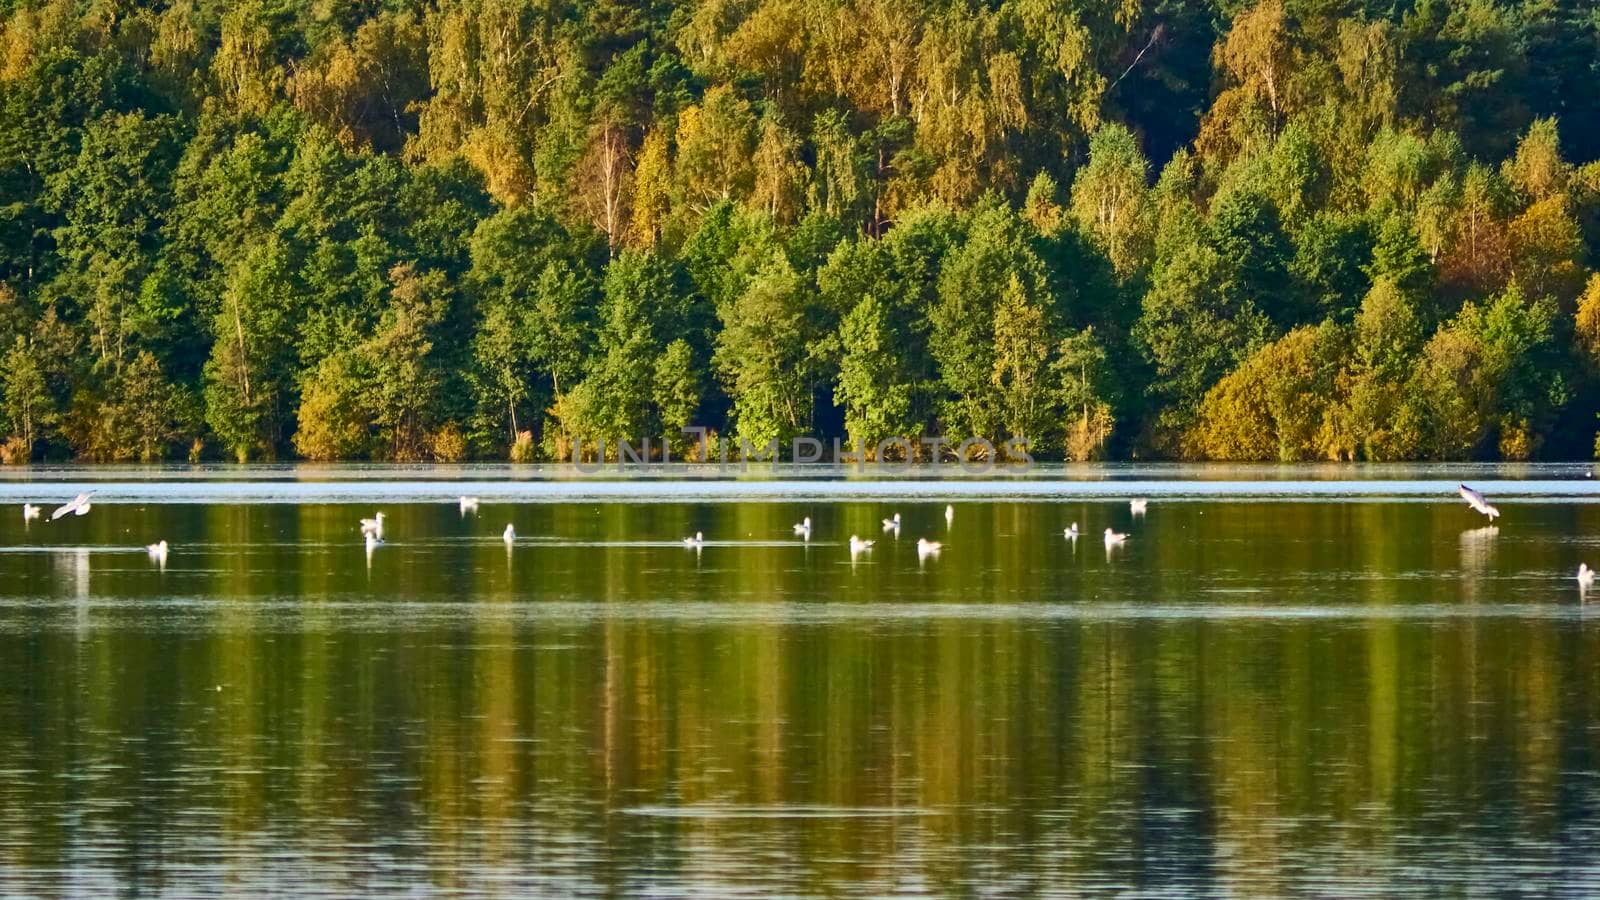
<point>1293,229</point>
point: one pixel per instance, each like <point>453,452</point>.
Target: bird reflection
<point>72,564</point>
<point>1477,546</point>
<point>72,567</point>
<point>1477,552</point>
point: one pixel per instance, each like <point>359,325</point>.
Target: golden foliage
<point>1588,321</point>
<point>1546,247</point>
<point>1277,405</point>
<point>449,445</point>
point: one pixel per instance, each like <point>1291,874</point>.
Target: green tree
<point>403,394</point>
<point>1446,413</point>
<point>1388,338</point>
<point>1021,365</point>
<point>872,387</point>
<point>761,356</point>
<point>997,252</point>
<point>28,406</point>
<point>677,391</point>
<point>1254,256</point>
<point>1110,199</point>
<point>1085,395</point>
<point>1522,364</point>
<point>112,200</point>
<point>1192,333</point>
<point>1330,258</point>
<point>841,187</point>
<point>154,410</point>
<point>247,387</point>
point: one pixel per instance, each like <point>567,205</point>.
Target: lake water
<point>1313,681</point>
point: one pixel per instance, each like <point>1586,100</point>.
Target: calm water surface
<point>1303,692</point>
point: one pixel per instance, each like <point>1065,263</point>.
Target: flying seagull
<point>79,506</point>
<point>1477,502</point>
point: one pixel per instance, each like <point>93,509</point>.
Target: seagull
<point>1137,507</point>
<point>804,528</point>
<point>468,504</point>
<point>79,506</point>
<point>509,535</point>
<point>157,551</point>
<point>926,547</point>
<point>696,542</point>
<point>373,526</point>
<point>949,515</point>
<point>1585,575</point>
<point>1477,502</point>
<point>892,523</point>
<point>857,545</point>
<point>1071,532</point>
<point>29,512</point>
<point>1114,538</point>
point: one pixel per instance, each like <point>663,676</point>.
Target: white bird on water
<point>1477,502</point>
<point>1137,507</point>
<point>78,506</point>
<point>695,542</point>
<point>857,545</point>
<point>1115,538</point>
<point>892,523</point>
<point>1071,532</point>
<point>804,528</point>
<point>157,551</point>
<point>468,504</point>
<point>373,527</point>
<point>926,547</point>
<point>949,515</point>
<point>29,512</point>
<point>1585,575</point>
<point>509,535</point>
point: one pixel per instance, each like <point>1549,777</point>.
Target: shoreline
<point>1163,482</point>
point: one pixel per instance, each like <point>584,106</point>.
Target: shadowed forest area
<point>1298,229</point>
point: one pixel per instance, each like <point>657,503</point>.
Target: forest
<point>504,229</point>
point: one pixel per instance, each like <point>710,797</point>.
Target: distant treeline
<point>1299,229</point>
